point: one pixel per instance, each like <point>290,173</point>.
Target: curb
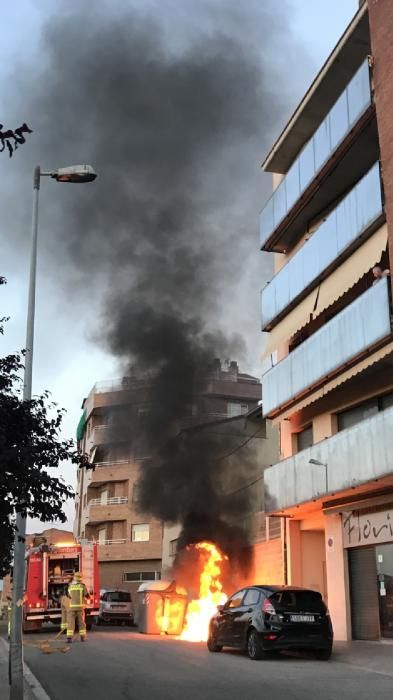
<point>34,687</point>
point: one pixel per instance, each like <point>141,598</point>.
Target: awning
<point>296,319</point>
<point>331,289</point>
<point>334,383</point>
<point>80,430</point>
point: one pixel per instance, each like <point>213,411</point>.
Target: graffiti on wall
<point>361,528</point>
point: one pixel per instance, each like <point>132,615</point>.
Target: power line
<point>246,486</point>
<point>236,449</point>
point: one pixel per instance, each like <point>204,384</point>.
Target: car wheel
<point>255,649</point>
<point>213,646</point>
<point>323,654</point>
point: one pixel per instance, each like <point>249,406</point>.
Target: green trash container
<point>162,608</point>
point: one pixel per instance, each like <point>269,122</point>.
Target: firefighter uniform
<point>77,594</point>
<point>64,604</point>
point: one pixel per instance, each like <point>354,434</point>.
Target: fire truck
<point>49,570</point>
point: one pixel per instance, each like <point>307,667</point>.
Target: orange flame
<point>200,611</point>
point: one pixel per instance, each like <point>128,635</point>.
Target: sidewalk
<point>370,656</point>
<point>33,690</point>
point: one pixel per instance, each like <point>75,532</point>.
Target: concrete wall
<point>268,563</point>
<point>368,445</point>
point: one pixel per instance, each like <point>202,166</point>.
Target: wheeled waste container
<point>162,607</point>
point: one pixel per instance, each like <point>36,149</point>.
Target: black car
<point>260,619</point>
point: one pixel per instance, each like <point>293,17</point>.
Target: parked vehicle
<point>115,606</point>
<point>49,570</point>
<point>261,619</point>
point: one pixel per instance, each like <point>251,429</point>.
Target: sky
<point>69,358</point>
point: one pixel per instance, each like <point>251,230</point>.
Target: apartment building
<point>328,381</point>
<point>111,433</point>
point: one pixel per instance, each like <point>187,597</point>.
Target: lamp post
<point>76,174</point>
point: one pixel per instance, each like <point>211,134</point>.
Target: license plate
<point>117,607</point>
<point>302,618</point>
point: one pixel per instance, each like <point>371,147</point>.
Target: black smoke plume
<point>173,104</point>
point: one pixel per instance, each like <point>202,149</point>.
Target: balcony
<point>333,141</point>
<point>101,435</point>
<point>115,501</point>
<point>108,511</point>
<point>359,213</point>
<point>350,459</point>
<point>339,342</point>
<point>110,471</point>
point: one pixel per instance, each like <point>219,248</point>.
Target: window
<point>252,597</point>
<point>141,576</point>
<point>118,597</point>
<point>304,439</point>
<point>140,532</point>
<point>136,493</point>
<point>236,409</point>
<point>101,535</point>
<point>274,528</point>
<point>236,600</point>
<point>173,547</point>
<point>301,601</point>
<point>349,418</point>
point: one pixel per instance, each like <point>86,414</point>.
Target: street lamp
<point>317,463</point>
<point>77,174</point>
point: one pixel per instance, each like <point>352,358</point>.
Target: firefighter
<point>64,604</point>
<point>78,595</point>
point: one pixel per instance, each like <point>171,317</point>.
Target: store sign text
<point>367,528</point>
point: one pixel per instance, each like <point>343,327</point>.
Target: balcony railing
<point>115,501</point>
<point>355,329</point>
<point>355,215</point>
<point>112,463</point>
<point>343,116</point>
<point>348,459</point>
<point>110,542</point>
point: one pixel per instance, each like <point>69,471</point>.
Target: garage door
<point>364,593</point>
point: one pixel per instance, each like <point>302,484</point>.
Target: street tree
<point>31,447</point>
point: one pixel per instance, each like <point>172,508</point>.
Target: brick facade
<point>381,30</point>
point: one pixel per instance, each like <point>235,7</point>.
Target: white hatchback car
<point>115,606</point>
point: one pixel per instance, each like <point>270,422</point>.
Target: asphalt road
<point>116,663</point>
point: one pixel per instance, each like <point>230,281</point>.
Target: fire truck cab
<point>49,570</point>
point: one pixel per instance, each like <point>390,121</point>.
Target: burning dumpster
<point>161,607</point>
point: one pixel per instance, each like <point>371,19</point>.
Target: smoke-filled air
<point>173,104</point>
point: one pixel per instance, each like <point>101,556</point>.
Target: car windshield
<point>119,597</point>
<point>299,601</point>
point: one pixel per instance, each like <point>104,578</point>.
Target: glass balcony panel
<point>355,329</point>
<point>295,271</point>
<point>327,244</point>
<point>322,144</point>
<point>338,121</point>
<point>359,94</point>
<point>347,220</point>
<point>266,220</point>
<point>347,110</point>
<point>283,291</point>
<point>357,211</point>
<point>292,184</point>
<point>306,165</point>
<point>279,203</point>
<point>368,198</point>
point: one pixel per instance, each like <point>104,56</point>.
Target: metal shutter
<point>364,593</point>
